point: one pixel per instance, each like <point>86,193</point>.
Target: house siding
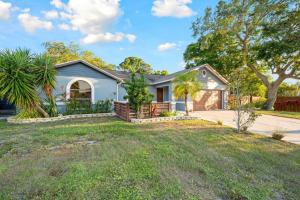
<point>105,87</point>
<point>209,82</point>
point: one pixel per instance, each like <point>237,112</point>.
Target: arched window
<point>81,91</point>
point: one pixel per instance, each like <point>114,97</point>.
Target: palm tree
<point>45,78</point>
<point>186,84</point>
<point>21,74</point>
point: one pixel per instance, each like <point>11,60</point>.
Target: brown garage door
<point>208,100</point>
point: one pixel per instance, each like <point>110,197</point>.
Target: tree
<point>186,85</point>
<point>137,93</point>
<point>45,78</point>
<point>250,84</point>
<point>245,114</point>
<point>288,90</point>
<point>22,74</point>
<point>135,65</point>
<point>262,35</point>
<point>162,72</point>
<point>61,53</point>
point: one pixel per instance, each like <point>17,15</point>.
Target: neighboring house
<point>81,80</point>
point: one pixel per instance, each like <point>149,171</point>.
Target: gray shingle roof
<point>152,79</point>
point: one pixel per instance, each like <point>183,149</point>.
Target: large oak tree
<point>262,35</point>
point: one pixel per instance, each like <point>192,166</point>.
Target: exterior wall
<point>103,87</point>
<point>167,90</point>
<point>209,82</point>
<point>122,92</point>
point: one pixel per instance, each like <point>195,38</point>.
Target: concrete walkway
<point>265,124</point>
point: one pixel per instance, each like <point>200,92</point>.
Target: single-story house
<point>85,81</point>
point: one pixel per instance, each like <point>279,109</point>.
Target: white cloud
<point>166,46</point>
<point>57,3</point>
<point>65,15</point>
<point>107,37</point>
<point>5,9</point>
<point>172,8</point>
<point>131,38</point>
<point>64,27</point>
<point>51,14</point>
<point>32,23</point>
<point>25,10</point>
<point>92,18</point>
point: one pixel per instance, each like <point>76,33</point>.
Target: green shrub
<point>167,114</point>
<point>28,114</point>
<point>78,107</point>
<point>219,122</point>
<point>260,102</point>
<point>103,106</point>
<point>277,135</point>
<point>51,107</point>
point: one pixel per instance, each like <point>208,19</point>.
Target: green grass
<point>111,159</point>
<point>294,115</point>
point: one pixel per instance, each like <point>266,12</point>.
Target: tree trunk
<point>251,99</point>
<point>186,106</point>
<point>42,111</point>
<point>271,98</point>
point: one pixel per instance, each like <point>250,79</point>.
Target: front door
<point>160,94</point>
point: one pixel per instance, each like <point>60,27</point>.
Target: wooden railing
<point>291,104</point>
<point>125,112</point>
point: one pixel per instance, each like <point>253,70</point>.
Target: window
<point>203,73</point>
<point>81,91</point>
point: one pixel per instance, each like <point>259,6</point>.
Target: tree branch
<point>262,77</point>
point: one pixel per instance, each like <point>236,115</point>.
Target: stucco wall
<point>210,81</point>
<point>104,87</point>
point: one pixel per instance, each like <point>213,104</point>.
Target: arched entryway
<point>80,90</point>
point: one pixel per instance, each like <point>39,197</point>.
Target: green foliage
<point>162,72</point>
<point>84,107</point>
<point>141,161</point>
<point>50,106</point>
<point>21,74</point>
<point>260,35</point>
<point>61,53</point>
<point>167,114</point>
<point>260,103</point>
<point>288,90</point>
<point>137,93</point>
<point>28,114</point>
<point>16,79</point>
<point>219,122</point>
<point>78,107</point>
<point>277,135</point>
<point>135,65</point>
<point>103,106</point>
<point>185,85</point>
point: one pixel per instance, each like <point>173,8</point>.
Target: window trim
<point>68,88</point>
<point>203,73</point>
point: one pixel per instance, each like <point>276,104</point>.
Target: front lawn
<point>111,159</point>
<point>294,115</point>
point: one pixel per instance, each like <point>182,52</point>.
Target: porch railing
<point>125,111</point>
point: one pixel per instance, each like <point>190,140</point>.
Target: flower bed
<point>12,120</point>
<point>161,119</point>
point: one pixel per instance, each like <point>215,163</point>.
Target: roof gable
<point>152,79</point>
<point>171,77</point>
<point>107,73</point>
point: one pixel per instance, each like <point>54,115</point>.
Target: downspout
<point>118,90</point>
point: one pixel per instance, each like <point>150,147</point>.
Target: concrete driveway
<point>265,124</point>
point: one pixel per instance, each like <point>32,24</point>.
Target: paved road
<point>264,124</point>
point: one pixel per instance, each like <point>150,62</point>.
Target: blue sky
<point>156,30</point>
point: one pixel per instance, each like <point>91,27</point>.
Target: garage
<point>208,100</point>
